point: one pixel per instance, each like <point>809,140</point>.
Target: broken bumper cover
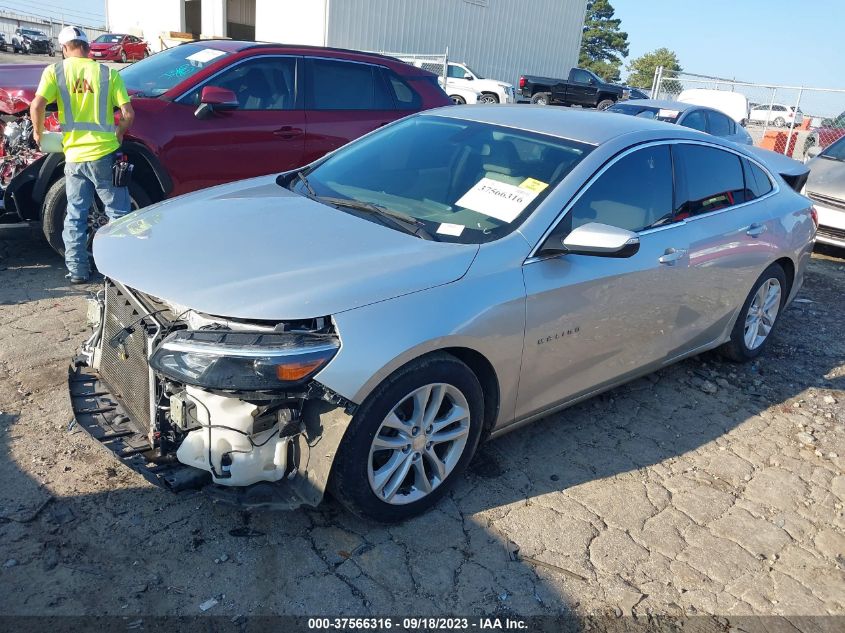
<point>101,414</point>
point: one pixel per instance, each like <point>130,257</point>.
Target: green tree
<point>641,70</point>
<point>603,44</point>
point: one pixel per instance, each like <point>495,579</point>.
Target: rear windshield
<point>155,75</point>
<point>646,112</point>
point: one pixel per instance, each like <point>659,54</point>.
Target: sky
<point>83,12</point>
<point>759,41</point>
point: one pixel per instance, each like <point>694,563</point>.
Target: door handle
<point>288,132</point>
<point>672,255</point>
<point>755,230</point>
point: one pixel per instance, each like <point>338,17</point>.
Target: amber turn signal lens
<point>292,372</point>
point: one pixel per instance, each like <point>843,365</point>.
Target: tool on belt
<point>122,171</point>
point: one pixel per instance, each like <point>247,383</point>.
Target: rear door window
<point>635,193</point>
<point>712,179</point>
<point>403,95</point>
<point>342,85</point>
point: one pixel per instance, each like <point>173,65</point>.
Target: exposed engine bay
<point>192,401</point>
<point>19,149</point>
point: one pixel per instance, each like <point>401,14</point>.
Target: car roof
<point>586,126</point>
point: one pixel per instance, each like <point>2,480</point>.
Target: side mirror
<point>468,76</point>
<point>814,151</point>
<point>595,239</point>
<point>215,99</point>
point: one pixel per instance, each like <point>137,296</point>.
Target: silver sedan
<point>362,323</point>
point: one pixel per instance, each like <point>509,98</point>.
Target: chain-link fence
<point>786,119</point>
<point>435,63</point>
<point>12,20</point>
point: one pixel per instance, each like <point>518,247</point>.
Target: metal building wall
<point>498,38</point>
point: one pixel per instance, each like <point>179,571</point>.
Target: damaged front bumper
<point>230,452</point>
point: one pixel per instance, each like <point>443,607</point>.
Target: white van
<point>734,104</point>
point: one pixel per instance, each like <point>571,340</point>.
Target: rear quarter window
<point>757,182</point>
<point>712,179</point>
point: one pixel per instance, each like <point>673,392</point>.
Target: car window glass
<point>581,76</point>
<point>713,179</point>
<point>456,72</point>
<point>340,85</point>
<point>403,95</point>
<point>757,182</point>
<point>634,193</point>
<point>720,125</point>
<point>267,83</point>
<point>836,150</point>
<point>695,120</point>
<point>465,181</point>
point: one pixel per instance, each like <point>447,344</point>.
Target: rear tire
<point>372,458</point>
<point>54,210</point>
<point>541,98</point>
<point>779,122</point>
<point>604,104</point>
<point>755,320</point>
<point>458,100</point>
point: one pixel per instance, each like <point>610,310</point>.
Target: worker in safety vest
<point>87,95</point>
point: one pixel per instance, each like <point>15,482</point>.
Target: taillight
<point>522,82</point>
<point>815,215</point>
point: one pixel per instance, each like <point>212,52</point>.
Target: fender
<point>37,174</point>
<point>136,148</point>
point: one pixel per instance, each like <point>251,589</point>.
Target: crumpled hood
<point>827,177</point>
<point>254,250</point>
<point>18,83</point>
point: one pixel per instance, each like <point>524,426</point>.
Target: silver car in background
<point>695,117</point>
<point>362,323</point>
<point>826,188</point>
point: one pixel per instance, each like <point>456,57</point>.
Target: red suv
<point>215,111</point>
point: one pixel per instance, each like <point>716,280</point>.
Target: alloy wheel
<point>486,98</point>
<point>418,444</point>
<point>762,313</point>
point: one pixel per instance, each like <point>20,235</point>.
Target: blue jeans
<point>81,181</point>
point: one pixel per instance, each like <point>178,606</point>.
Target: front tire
<point>55,209</point>
<point>122,57</point>
<point>410,440</point>
<point>779,122</point>
<point>758,317</point>
<point>488,97</point>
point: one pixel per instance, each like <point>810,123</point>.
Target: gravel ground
<point>706,488</point>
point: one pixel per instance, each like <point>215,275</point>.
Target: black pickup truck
<point>582,88</point>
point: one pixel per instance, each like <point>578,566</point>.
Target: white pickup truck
<point>459,75</point>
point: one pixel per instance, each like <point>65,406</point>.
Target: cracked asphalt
<point>705,488</point>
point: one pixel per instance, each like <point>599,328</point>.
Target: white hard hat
<point>70,33</point>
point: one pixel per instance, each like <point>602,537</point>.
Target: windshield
<point>472,70</point>
<point>836,151</point>
<point>108,39</point>
<point>464,181</point>
<point>157,74</point>
<point>646,112</point>
<point>31,32</point>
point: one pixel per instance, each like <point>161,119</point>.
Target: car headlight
<point>116,47</point>
<point>243,361</point>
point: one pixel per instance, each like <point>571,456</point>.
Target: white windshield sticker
<point>667,114</point>
<point>450,229</point>
<point>205,55</point>
<point>497,199</point>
